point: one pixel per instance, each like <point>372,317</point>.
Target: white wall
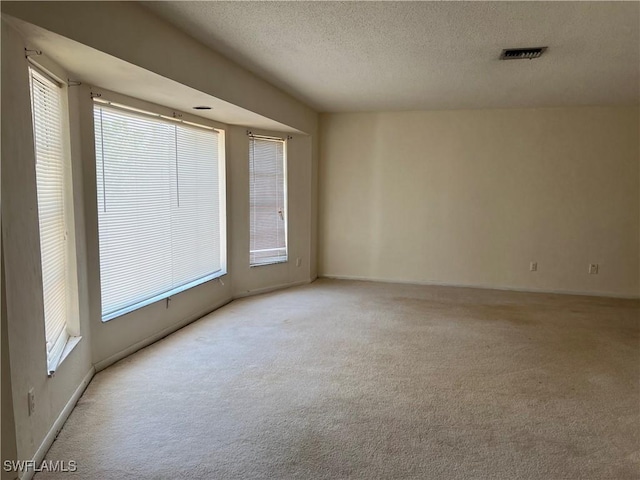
<point>471,197</point>
<point>8,443</point>
<point>21,256</point>
<point>102,343</point>
<point>248,280</point>
<point>7,425</point>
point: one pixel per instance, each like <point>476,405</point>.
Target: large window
<point>161,211</point>
<point>268,201</point>
<point>51,181</point>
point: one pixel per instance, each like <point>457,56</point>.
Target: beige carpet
<point>373,381</point>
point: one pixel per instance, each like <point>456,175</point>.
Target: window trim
<point>69,336</point>
<point>162,296</point>
<point>285,172</point>
<point>142,107</point>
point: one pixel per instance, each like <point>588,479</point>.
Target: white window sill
<point>274,261</point>
<point>69,346</point>
<point>164,295</point>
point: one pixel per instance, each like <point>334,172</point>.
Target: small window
<point>268,201</point>
<point>161,210</point>
<point>51,181</point>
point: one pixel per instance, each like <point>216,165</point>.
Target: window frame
<point>285,180</point>
<point>70,335</point>
<point>134,105</point>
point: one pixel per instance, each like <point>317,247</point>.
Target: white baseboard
<point>145,342</point>
<point>58,424</point>
<point>282,286</point>
<point>485,287</point>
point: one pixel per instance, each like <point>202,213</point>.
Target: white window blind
<point>159,207</point>
<point>46,108</point>
<point>268,214</point>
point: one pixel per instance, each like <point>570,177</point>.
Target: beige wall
<point>103,343</point>
<point>248,280</point>
<point>471,197</point>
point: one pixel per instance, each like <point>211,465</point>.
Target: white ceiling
<point>364,56</point>
<point>104,71</point>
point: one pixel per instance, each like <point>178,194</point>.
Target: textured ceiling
<point>363,56</point>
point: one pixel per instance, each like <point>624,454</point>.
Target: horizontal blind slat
<point>158,205</point>
<point>46,106</point>
<point>267,202</point>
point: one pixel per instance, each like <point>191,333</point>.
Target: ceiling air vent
<point>521,53</point>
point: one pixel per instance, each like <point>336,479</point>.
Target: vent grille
<point>522,53</point>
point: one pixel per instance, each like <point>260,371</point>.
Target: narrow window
<point>161,210</point>
<point>268,201</point>
<point>51,177</point>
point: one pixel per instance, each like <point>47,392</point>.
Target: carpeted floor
<point>362,380</point>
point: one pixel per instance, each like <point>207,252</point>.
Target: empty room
<point>320,240</point>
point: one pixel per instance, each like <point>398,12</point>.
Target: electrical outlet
<point>31,398</point>
<point>298,261</point>
<point>593,268</point>
<point>533,267</point>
